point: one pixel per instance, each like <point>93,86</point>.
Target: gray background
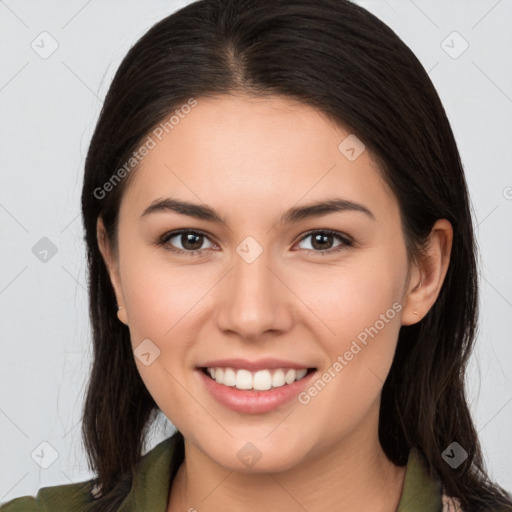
<point>48,108</point>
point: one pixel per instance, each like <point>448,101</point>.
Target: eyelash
<point>346,242</point>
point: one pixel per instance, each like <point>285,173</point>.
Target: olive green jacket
<point>151,492</point>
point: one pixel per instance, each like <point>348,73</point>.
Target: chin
<point>255,457</point>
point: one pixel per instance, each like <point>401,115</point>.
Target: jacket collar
<point>420,493</point>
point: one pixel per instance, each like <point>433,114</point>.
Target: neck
<point>351,476</point>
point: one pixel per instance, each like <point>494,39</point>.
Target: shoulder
<point>153,473</point>
<point>58,498</point>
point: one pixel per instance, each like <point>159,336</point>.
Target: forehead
<point>255,153</point>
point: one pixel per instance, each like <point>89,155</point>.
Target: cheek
<point>348,299</point>
<point>165,304</point>
<point>359,317</point>
<point>160,296</point>
<point>160,305</point>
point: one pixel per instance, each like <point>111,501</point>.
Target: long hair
<point>338,58</point>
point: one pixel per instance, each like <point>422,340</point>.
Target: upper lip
<point>260,364</point>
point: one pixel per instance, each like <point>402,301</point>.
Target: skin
<point>251,159</point>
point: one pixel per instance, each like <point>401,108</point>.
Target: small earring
<point>416,313</point>
<point>121,314</point>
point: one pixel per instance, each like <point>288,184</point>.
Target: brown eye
<point>322,241</point>
<point>191,241</point>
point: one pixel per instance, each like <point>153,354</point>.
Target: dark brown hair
<point>340,59</point>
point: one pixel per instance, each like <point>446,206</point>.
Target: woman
<point>282,261</point>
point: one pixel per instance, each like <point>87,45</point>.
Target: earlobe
<point>430,274</point>
<point>412,312</point>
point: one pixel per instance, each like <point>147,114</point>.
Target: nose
<point>255,300</point>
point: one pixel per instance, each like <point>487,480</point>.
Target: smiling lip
<point>251,401</point>
<point>253,366</point>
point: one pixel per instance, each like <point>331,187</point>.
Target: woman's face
<point>260,296</point>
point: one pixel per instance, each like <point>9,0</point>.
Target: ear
<point>112,266</point>
<point>428,274</point>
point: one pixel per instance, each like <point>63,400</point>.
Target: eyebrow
<point>294,214</point>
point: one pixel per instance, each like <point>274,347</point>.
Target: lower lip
<point>254,402</point>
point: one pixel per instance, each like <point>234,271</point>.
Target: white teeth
<point>301,373</point>
<point>289,376</point>
<point>261,380</point>
<point>229,377</point>
<point>243,379</point>
<point>278,379</point>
